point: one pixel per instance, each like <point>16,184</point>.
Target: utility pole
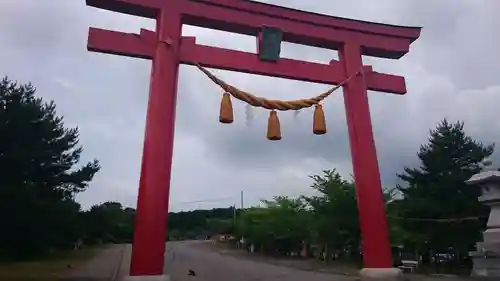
<point>241,198</point>
<point>242,240</point>
<point>234,212</point>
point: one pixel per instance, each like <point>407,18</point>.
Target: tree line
<point>40,175</point>
<point>433,214</point>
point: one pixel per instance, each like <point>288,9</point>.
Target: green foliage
<point>108,223</point>
<point>337,197</point>
<point>36,150</point>
<point>436,189</point>
<point>285,225</point>
<point>39,179</point>
<point>220,226</point>
<point>280,227</point>
<point>197,223</point>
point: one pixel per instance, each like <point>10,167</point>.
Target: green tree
<point>289,223</point>
<point>253,224</point>
<point>109,223</point>
<point>39,177</point>
<point>336,224</point>
<point>436,189</point>
<point>195,223</point>
<point>280,227</point>
<point>220,226</point>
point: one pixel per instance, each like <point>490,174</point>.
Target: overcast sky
<point>452,71</point>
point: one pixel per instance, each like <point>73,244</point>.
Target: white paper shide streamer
<point>249,115</point>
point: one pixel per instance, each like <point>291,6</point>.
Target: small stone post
<point>486,258</point>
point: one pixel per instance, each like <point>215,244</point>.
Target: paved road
<point>104,266</point>
<point>211,266</point>
<point>208,264</point>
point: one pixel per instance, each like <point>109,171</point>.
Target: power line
<point>214,199</point>
<point>206,200</point>
<point>241,195</point>
<point>441,220</point>
<point>437,219</point>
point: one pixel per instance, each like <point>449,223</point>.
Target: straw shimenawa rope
<point>273,127</point>
<point>281,105</point>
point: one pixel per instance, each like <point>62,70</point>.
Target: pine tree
<point>38,178</point>
<point>35,147</point>
<point>437,190</point>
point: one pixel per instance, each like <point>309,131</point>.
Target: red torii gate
<point>167,48</point>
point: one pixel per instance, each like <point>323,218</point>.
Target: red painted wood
<point>375,38</point>
<point>149,36</point>
<point>138,8</point>
<point>215,17</point>
<point>259,42</point>
<point>371,209</point>
<point>120,43</point>
<point>142,46</point>
<point>285,68</point>
<point>319,19</point>
<point>388,83</point>
<point>152,204</point>
<point>249,63</point>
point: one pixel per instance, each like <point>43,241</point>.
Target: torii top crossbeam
<point>239,16</point>
<point>380,40</point>
<point>168,48</point>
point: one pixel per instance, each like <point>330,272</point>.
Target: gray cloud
<point>451,72</point>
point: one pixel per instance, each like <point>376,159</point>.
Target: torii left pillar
<point>167,49</point>
<point>152,205</point>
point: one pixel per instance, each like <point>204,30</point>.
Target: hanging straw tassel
<point>273,126</point>
<point>319,124</point>
<point>226,109</point>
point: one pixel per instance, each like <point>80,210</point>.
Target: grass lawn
<point>47,269</point>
